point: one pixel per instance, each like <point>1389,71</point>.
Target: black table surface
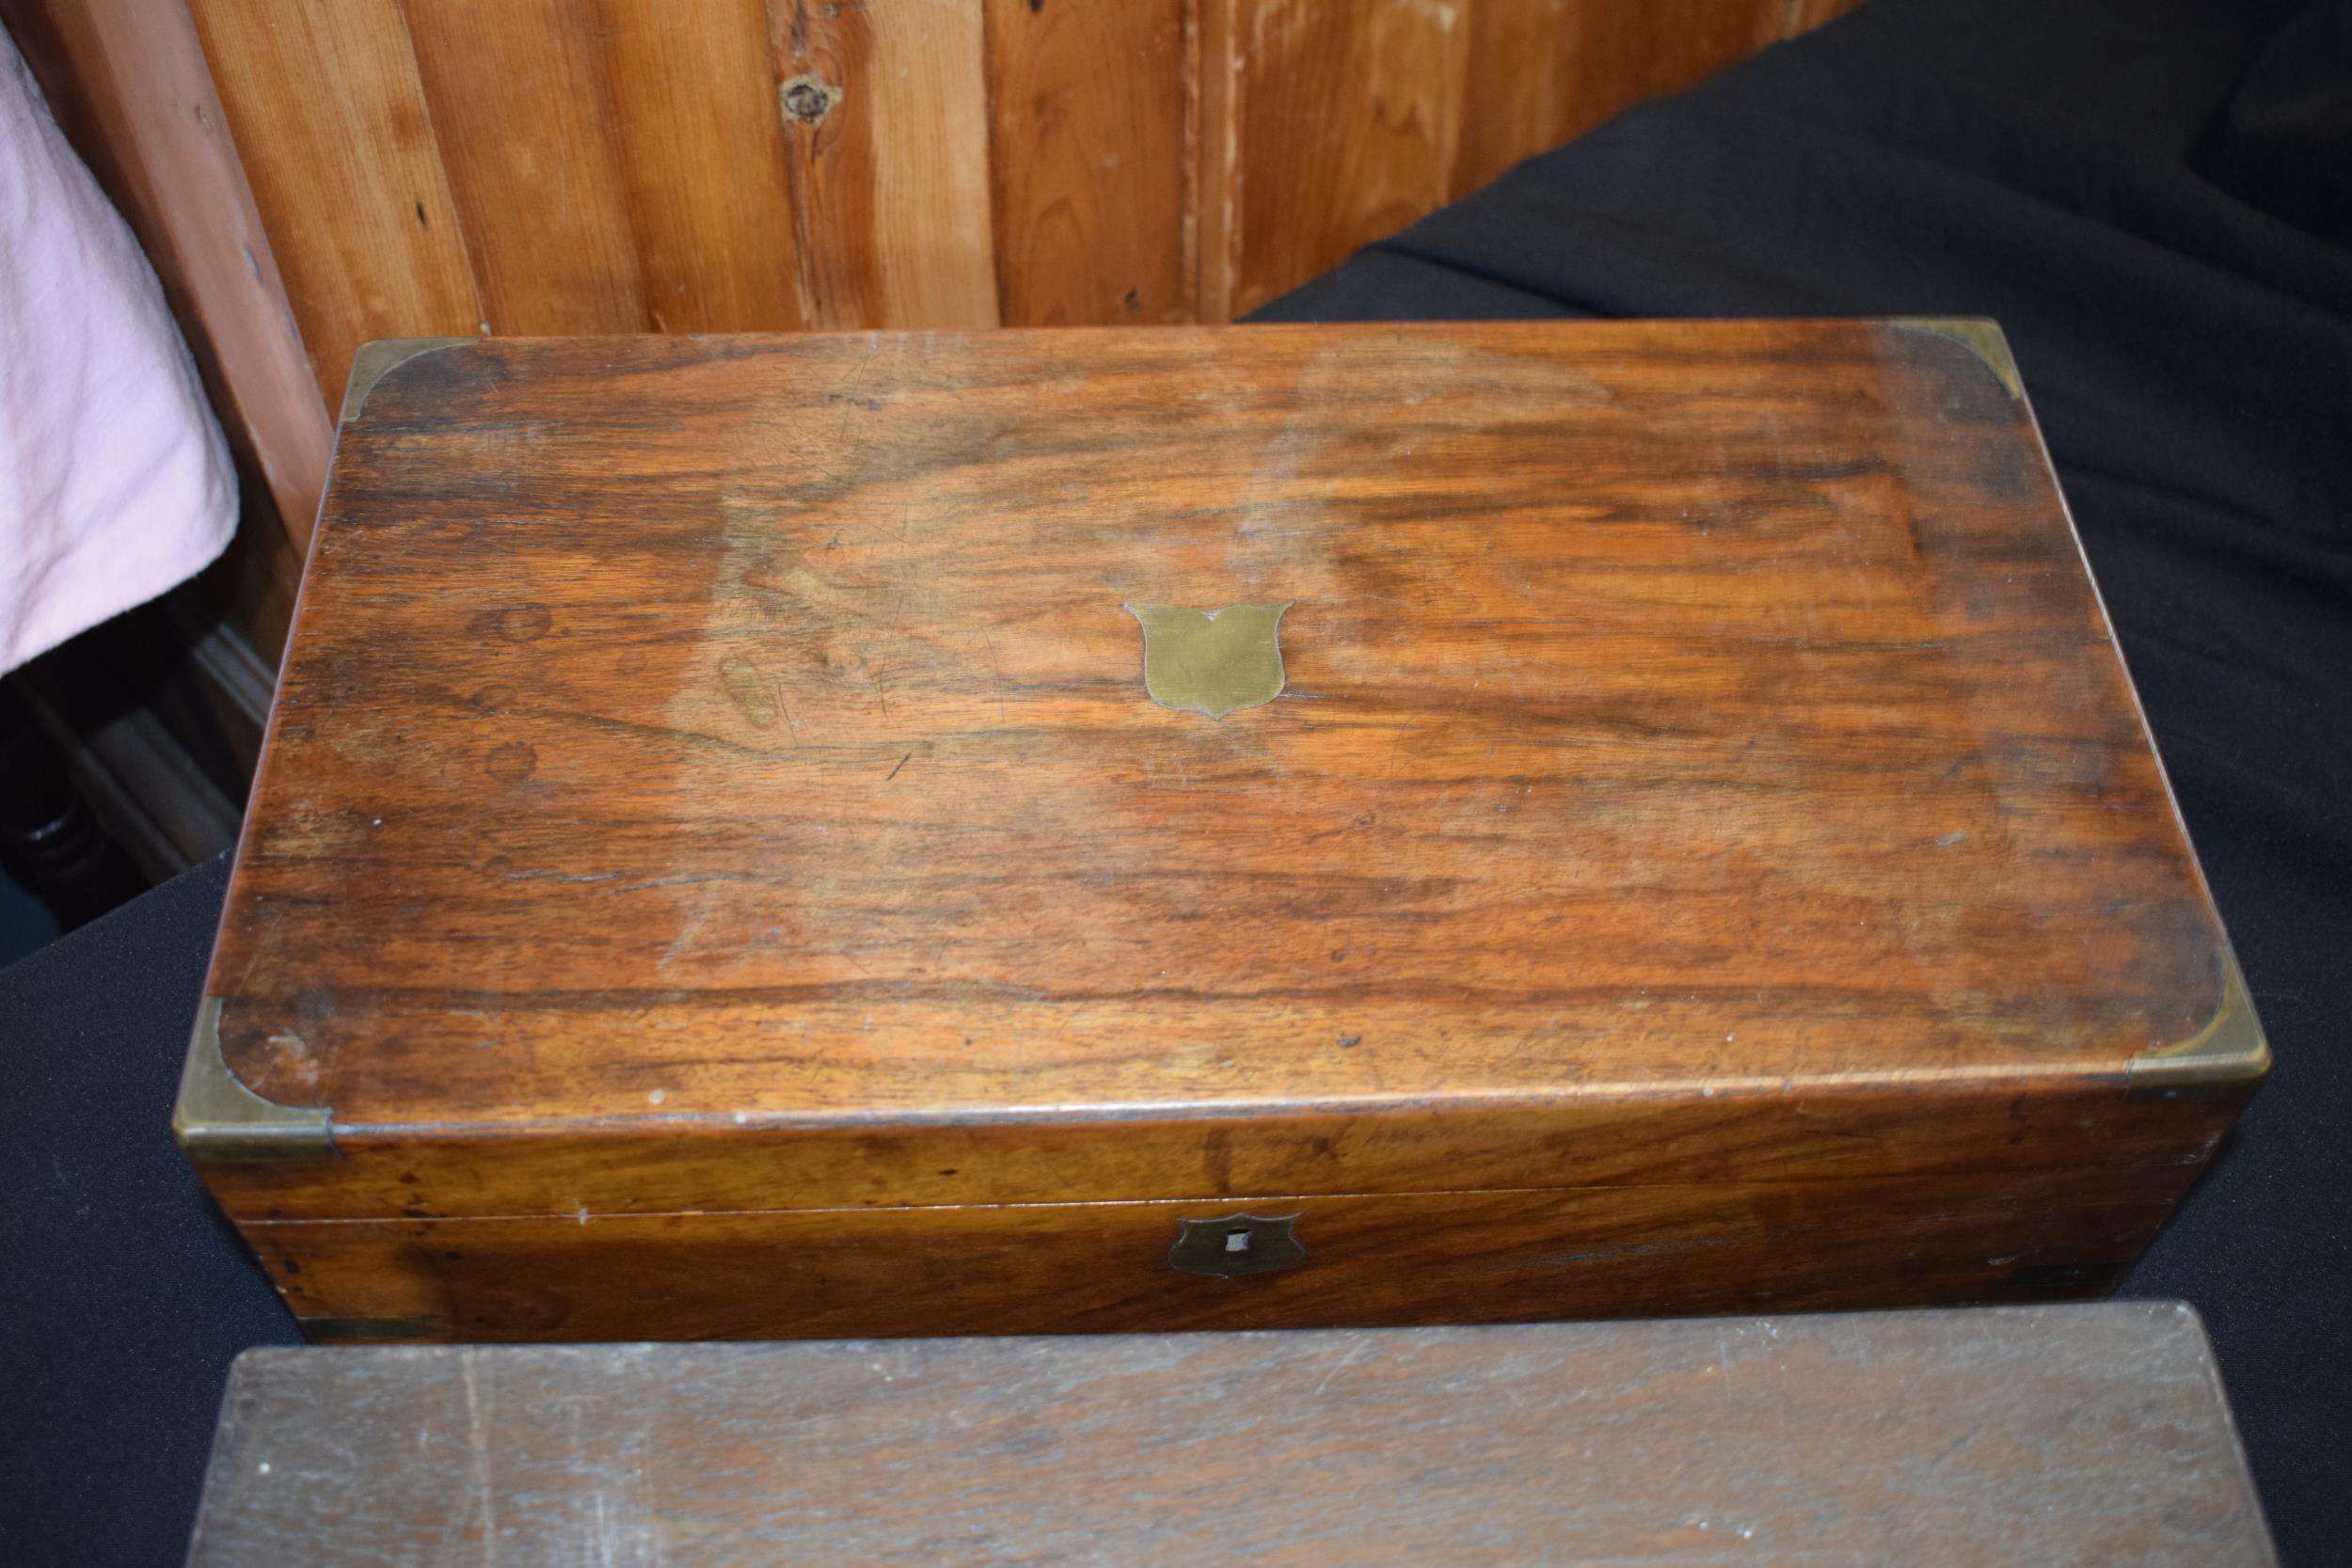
<point>2153,196</point>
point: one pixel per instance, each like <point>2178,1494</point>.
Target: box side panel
<point>1255,1262</point>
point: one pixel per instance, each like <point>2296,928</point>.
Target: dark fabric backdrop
<point>2153,196</point>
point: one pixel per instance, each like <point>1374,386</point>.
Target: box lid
<point>1039,728</point>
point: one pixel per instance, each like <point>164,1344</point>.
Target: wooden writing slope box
<point>764,837</point>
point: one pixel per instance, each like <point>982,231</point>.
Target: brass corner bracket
<point>2229,1052</point>
<point>218,1120</point>
<point>377,358</point>
<point>1981,336</point>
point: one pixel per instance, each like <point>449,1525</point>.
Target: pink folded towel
<point>114,481</point>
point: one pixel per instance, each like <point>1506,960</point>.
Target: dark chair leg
<point>48,830</point>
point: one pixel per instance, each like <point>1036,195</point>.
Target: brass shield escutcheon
<point>1236,1244</point>
<point>1212,661</point>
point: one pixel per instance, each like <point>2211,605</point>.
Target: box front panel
<point>1235,1262</point>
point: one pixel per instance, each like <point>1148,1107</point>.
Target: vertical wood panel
<point>930,109</point>
<point>829,158</point>
<point>1518,58</point>
<point>701,144</point>
<point>1349,118</point>
<point>326,108</point>
<point>1618,56</point>
<point>889,163</point>
<point>1550,70</point>
<point>1802,16</point>
<point>517,91</point>
<point>1215,156</point>
<point>1087,149</point>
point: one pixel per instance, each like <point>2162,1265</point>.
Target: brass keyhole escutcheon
<point>1236,1244</point>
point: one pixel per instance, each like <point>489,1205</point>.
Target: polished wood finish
<point>1483,1256</point>
<point>716,778</point>
<point>1816,1128</point>
<point>1940,1439</point>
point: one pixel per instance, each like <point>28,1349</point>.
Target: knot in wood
<point>807,100</point>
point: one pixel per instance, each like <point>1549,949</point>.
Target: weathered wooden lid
<point>746,736</point>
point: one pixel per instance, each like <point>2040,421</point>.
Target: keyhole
<point>1231,1246</point>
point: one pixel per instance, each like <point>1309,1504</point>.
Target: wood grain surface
<point>1394,72</point>
<point>1541,76</point>
<point>686,729</point>
<point>603,165</point>
<point>704,153</point>
<point>541,191</point>
<point>718,778</point>
<point>337,136</point>
<point>2054,1436</point>
<point>1090,127</point>
<point>443,168</point>
<point>886,133</point>
<point>1492,1256</point>
<point>1953,1128</point>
